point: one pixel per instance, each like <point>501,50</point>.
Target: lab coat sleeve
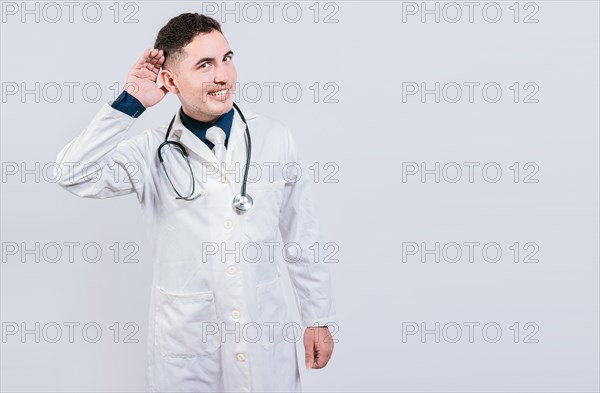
<point>100,162</point>
<point>300,231</point>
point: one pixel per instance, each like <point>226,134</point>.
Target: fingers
<point>155,60</point>
<point>143,58</point>
<point>323,354</point>
<point>309,350</point>
<point>151,59</point>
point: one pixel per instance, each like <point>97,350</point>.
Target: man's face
<point>205,78</point>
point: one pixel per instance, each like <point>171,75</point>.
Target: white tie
<point>217,137</point>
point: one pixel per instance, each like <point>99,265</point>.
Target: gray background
<point>370,212</point>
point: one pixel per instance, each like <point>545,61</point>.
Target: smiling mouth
<point>219,93</point>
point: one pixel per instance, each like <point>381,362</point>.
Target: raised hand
<point>141,80</point>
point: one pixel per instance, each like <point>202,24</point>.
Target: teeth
<point>218,93</point>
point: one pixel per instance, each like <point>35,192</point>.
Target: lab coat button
<point>241,357</point>
<point>231,270</point>
<point>235,314</point>
<point>228,224</point>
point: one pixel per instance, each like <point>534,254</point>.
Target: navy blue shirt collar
<point>199,128</point>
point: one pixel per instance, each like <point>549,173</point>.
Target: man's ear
<point>168,80</point>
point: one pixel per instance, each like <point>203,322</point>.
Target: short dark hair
<point>180,31</point>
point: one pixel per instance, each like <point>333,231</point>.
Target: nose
<point>221,75</point>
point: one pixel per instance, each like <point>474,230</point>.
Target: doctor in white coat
<point>219,319</point>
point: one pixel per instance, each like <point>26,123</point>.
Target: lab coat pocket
<point>262,221</point>
<point>272,311</point>
<point>186,324</point>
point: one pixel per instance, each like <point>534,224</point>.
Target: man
<point>218,315</point>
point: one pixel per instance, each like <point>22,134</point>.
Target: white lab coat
<point>216,317</point>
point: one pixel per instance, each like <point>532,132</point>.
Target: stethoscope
<point>242,202</point>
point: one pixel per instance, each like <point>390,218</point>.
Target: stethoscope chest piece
<point>242,203</point>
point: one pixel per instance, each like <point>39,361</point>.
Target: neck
<point>201,118</point>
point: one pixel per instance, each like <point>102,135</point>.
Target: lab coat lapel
<point>236,137</point>
<point>236,151</point>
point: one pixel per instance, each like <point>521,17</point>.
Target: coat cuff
<point>128,104</point>
<point>314,322</point>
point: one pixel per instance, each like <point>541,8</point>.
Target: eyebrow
<point>202,60</point>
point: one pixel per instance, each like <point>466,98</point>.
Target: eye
<point>228,58</point>
<point>203,65</point>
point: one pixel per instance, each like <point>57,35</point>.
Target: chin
<point>216,109</point>
<point>226,107</point>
